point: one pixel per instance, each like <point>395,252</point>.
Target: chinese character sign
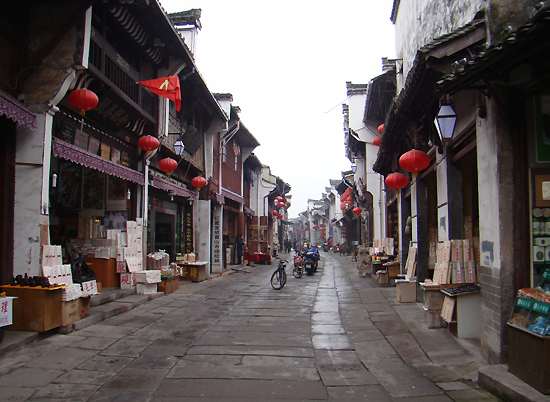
<point>6,309</point>
<point>188,231</point>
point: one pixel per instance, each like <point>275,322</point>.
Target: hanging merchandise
<point>357,210</point>
<point>376,141</point>
<point>380,128</point>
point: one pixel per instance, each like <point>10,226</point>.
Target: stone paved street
<point>331,336</point>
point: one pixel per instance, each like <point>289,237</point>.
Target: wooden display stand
<point>169,285</point>
<point>36,309</point>
<point>193,271</point>
<point>105,270</point>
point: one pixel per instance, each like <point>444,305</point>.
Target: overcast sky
<point>286,64</point>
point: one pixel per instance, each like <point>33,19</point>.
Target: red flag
<point>167,87</point>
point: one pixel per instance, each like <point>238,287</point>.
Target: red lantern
<point>376,141</point>
<point>280,216</point>
<point>344,206</point>
<point>314,226</point>
<point>346,194</point>
<point>168,165</point>
<point>148,143</point>
<point>356,210</point>
<point>279,198</point>
<point>396,181</point>
<point>281,204</point>
<point>380,128</point>
<point>414,161</point>
<point>83,100</point>
<point>198,182</point>
<point>275,213</point>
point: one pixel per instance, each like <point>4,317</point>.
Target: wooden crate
<point>70,312</point>
<point>169,285</point>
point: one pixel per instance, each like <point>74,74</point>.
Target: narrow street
<point>331,336</point>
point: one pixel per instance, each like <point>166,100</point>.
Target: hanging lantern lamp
<point>414,161</point>
<point>380,128</point>
<point>275,213</point>
<point>396,181</point>
<point>148,143</point>
<point>357,210</point>
<point>83,100</point>
<point>345,194</point>
<point>376,141</point>
<point>198,182</point>
<point>168,165</point>
<point>281,204</point>
<point>279,198</point>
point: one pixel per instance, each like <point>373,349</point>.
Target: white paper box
<point>457,251</point>
<point>146,288</point>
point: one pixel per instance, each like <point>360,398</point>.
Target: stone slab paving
<point>330,336</point>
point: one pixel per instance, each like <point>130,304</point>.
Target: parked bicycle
<point>278,279</point>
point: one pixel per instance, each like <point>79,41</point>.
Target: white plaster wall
<point>28,197</point>
<point>488,175</point>
<point>442,198</point>
<point>217,214</point>
<point>356,108</point>
<point>418,22</point>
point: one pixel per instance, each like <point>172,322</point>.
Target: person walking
<point>240,249</point>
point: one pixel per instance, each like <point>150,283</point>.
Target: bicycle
<point>278,279</point>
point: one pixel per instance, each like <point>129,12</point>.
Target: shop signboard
<point>6,311</point>
<point>188,231</point>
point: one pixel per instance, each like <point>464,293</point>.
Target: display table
<point>259,258</point>
<point>35,309</point>
<point>462,313</point>
<point>105,270</point>
<point>194,271</point>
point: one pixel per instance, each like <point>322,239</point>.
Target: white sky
<point>286,64</point>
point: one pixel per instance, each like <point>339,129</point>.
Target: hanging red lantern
<point>314,226</point>
<point>344,206</point>
<point>148,143</point>
<point>280,216</point>
<point>198,182</point>
<point>275,213</point>
<point>279,198</point>
<point>168,165</point>
<point>281,204</point>
<point>346,194</point>
<point>396,181</point>
<point>83,100</point>
<point>380,128</point>
<point>376,141</point>
<point>414,161</point>
<point>349,200</point>
<point>357,210</point>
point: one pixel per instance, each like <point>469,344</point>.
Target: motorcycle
<point>326,247</point>
<point>311,261</point>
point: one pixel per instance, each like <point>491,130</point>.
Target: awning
<point>13,109</point>
<point>64,150</point>
<point>233,196</point>
<point>163,184</point>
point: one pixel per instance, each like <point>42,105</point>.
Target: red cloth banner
<point>167,87</point>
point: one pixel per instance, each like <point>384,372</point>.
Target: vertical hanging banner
<point>167,87</point>
<point>188,230</point>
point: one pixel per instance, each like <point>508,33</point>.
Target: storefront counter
<point>259,258</point>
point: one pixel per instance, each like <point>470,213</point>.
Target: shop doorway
<point>165,233</point>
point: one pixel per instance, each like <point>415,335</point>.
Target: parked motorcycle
<point>311,260</point>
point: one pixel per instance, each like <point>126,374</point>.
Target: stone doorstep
<point>500,382</point>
